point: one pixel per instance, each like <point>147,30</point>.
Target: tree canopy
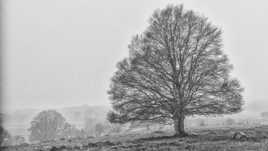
<point>176,68</point>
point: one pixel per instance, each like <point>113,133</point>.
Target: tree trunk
<point>179,126</point>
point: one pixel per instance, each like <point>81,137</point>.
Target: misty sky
<point>63,52</point>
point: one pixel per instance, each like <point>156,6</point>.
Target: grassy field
<point>218,139</point>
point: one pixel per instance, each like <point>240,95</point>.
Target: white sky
<point>63,52</point>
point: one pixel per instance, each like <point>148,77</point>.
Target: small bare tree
<point>99,129</point>
<point>18,140</point>
<point>201,123</point>
<point>47,125</point>
<point>230,121</point>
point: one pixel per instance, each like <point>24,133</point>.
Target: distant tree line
<point>51,125</point>
<point>7,139</point>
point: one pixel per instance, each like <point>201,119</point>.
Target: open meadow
<point>218,139</point>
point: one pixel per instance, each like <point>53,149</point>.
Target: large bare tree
<point>176,68</point>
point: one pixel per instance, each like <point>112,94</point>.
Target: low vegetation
<point>220,139</point>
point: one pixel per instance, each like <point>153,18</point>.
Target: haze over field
<point>18,122</point>
<point>63,53</point>
<point>162,65</point>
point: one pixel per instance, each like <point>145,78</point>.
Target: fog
<point>60,53</point>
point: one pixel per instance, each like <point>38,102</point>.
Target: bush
<point>230,121</point>
<point>202,123</point>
